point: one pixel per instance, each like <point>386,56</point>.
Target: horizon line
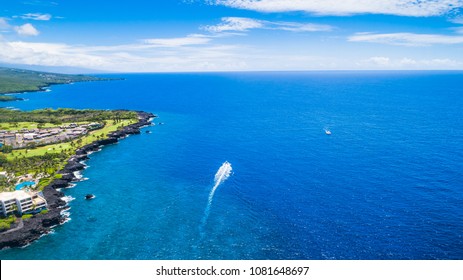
<point>102,72</point>
<point>280,71</point>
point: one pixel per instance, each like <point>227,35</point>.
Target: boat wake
<point>221,176</point>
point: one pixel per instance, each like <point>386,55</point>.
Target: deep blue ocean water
<point>386,184</point>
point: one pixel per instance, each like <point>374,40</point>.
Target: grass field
<point>26,125</point>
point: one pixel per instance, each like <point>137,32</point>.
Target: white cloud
<point>381,62</point>
<point>235,24</point>
<point>407,61</point>
<point>46,54</point>
<point>415,8</point>
<point>245,24</point>
<point>23,30</point>
<point>26,30</point>
<point>406,39</point>
<point>299,27</point>
<point>145,57</point>
<point>457,20</point>
<point>140,57</point>
<point>193,39</point>
<point>36,16</point>
<point>445,62</point>
<point>4,24</point>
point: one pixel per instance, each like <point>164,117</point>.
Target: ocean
<point>387,183</point>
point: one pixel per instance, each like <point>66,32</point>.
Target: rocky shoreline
<point>39,225</point>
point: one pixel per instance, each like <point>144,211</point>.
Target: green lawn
<point>27,125</point>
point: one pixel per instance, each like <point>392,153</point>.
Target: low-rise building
<point>21,201</point>
<point>9,135</point>
<point>29,136</point>
<point>79,131</point>
<point>8,203</point>
<point>93,126</point>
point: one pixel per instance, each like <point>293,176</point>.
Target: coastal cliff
<point>32,229</point>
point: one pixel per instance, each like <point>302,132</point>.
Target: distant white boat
<point>327,132</point>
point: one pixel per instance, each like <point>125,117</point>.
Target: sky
<point>233,35</point>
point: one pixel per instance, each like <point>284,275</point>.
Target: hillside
<point>18,80</point>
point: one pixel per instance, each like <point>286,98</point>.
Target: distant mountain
<point>13,80</point>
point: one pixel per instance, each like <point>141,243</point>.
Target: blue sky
<point>233,35</point>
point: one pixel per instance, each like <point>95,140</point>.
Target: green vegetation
<point>5,98</point>
<point>43,212</point>
<point>43,162</point>
<point>3,160</point>
<point>18,119</point>
<point>27,216</point>
<point>5,224</point>
<point>17,80</point>
<point>46,164</point>
<point>43,182</point>
<point>5,182</point>
<point>6,149</point>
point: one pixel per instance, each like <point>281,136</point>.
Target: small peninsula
<point>6,98</point>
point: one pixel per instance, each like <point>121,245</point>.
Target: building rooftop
<point>14,195</point>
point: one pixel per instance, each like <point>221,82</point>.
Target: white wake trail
<point>221,176</point>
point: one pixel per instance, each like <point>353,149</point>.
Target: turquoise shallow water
<point>386,184</point>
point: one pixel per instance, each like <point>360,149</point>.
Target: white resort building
<point>21,201</point>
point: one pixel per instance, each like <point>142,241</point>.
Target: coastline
<point>42,224</point>
<point>6,97</point>
<point>45,87</point>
